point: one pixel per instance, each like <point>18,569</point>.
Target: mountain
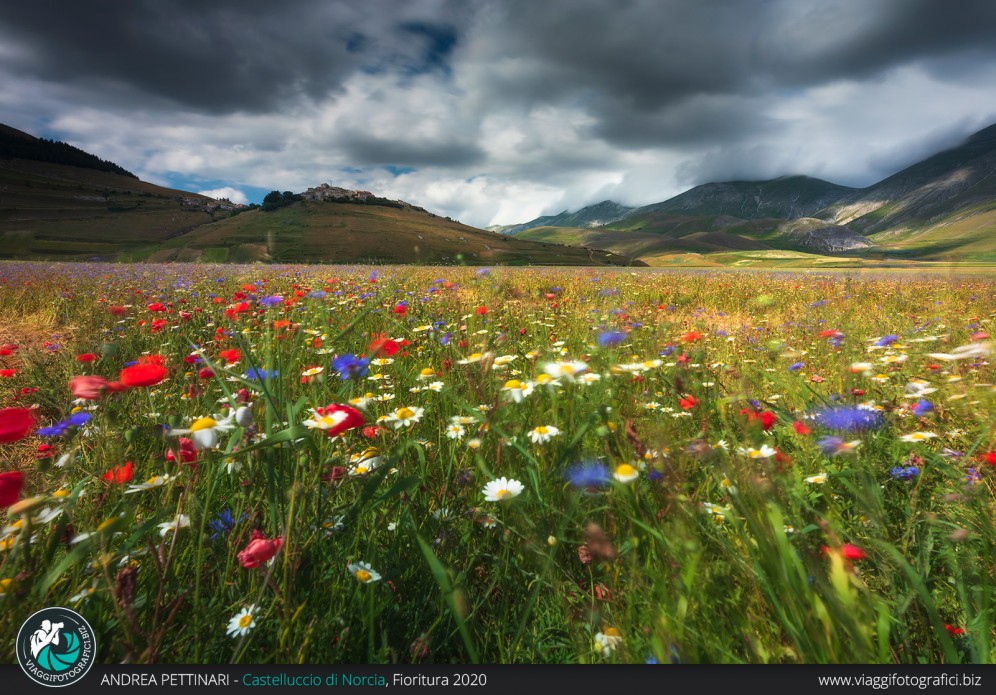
<point>959,179</point>
<point>58,202</point>
<point>787,197</point>
<point>942,208</point>
<point>596,215</point>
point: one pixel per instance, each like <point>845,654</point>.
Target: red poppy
<point>119,474</point>
<point>381,344</point>
<point>954,631</point>
<point>117,310</point>
<point>688,402</point>
<point>259,550</point>
<point>346,418</point>
<point>991,458</point>
<point>86,357</point>
<point>11,483</point>
<point>15,424</point>
<point>7,373</point>
<point>766,419</point>
<point>371,431</point>
<point>401,309</point>
<point>157,306</point>
<point>801,428</point>
<point>847,551</point>
<point>44,451</point>
<point>482,310</point>
<point>205,373</point>
<point>188,454</point>
<point>691,336</point>
<point>230,356</point>
<point>143,374</point>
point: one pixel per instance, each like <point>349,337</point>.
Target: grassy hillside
<point>56,211</point>
<point>348,233</point>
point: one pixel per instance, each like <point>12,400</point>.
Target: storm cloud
<point>496,112</point>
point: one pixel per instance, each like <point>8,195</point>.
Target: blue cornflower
<point>350,366</point>
<point>886,340</point>
<point>223,524</point>
<point>56,430</point>
<point>907,473</point>
<point>481,272</point>
<point>836,340</point>
<point>271,300</point>
<point>923,407</point>
<point>588,474</point>
<point>817,304</point>
<point>77,419</point>
<point>317,294</point>
<point>611,338</point>
<point>446,339</point>
<point>666,351</point>
<point>797,366</point>
<point>848,419</point>
<point>254,374</point>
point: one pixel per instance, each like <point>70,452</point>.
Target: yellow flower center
<point>611,632</point>
<point>541,430</point>
<point>106,523</point>
<point>361,470</point>
<point>502,494</point>
<point>566,369</point>
<point>245,620</point>
<point>404,413</point>
<point>544,379</point>
<point>60,493</point>
<point>513,384</point>
<point>363,575</point>
<point>625,470</point>
<point>203,423</point>
<point>428,371</point>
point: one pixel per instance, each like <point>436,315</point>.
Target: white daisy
<point>502,489</point>
<point>204,431</point>
<point>242,622</point>
<point>405,416</point>
<point>363,572</point>
<point>567,369</point>
<point>543,434</point>
<point>515,390</point>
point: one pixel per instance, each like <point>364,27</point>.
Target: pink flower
<point>260,550</point>
<point>88,388</point>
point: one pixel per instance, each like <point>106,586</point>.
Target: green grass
<point>708,555</point>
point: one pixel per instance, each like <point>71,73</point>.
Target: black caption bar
<point>275,679</point>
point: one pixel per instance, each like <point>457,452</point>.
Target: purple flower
<point>848,419</point>
<point>797,366</point>
<point>830,445</point>
<point>887,340</point>
<point>350,366</point>
<point>271,300</point>
<point>78,419</point>
<point>907,473</point>
<point>588,474</point>
<point>611,338</point>
<point>254,374</point>
<point>922,408</point>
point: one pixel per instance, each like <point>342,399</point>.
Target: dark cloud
<point>367,150</point>
<point>462,101</point>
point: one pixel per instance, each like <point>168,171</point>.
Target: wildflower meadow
<point>319,464</point>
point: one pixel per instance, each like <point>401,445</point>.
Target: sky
<point>498,111</point>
